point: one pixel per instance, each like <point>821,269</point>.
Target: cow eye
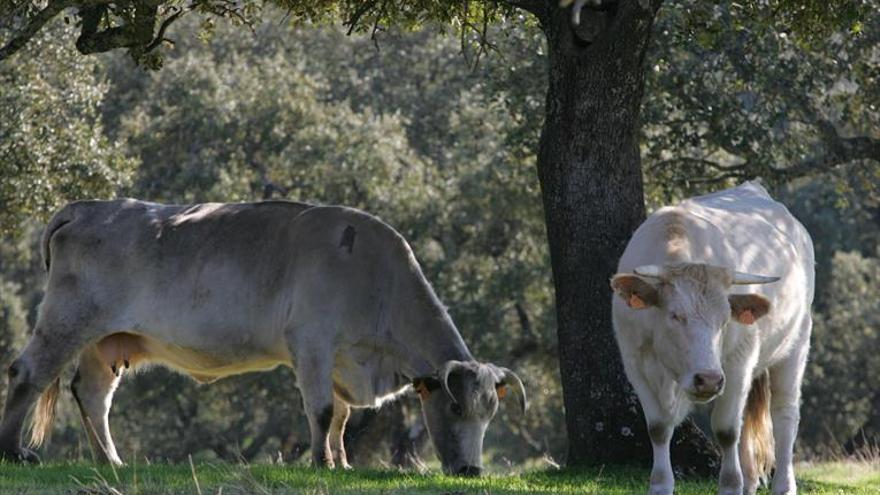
<point>456,409</point>
<point>680,318</point>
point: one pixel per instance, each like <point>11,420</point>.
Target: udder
<point>122,350</point>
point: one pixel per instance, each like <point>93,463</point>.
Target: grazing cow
<point>694,325</point>
<point>214,290</point>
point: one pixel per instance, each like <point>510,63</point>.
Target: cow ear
<point>748,308</point>
<point>636,291</point>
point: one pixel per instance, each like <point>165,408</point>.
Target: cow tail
<point>44,414</point>
<point>756,446</point>
<point>64,216</point>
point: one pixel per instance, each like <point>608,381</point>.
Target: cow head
<point>692,307</point>
<point>458,402</point>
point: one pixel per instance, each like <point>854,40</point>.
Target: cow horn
<point>448,368</point>
<point>520,389</point>
<point>742,278</point>
<point>653,271</point>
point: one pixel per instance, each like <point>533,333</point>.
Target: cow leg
<point>93,387</point>
<point>661,422</point>
<point>316,385</point>
<point>785,396</point>
<point>662,477</point>
<point>727,425</point>
<point>341,411</point>
<point>30,375</point>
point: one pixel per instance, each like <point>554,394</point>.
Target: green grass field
<point>833,478</point>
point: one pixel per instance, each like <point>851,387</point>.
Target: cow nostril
<point>470,471</point>
<point>708,382</point>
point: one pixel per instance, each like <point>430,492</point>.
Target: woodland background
<point>438,138</point>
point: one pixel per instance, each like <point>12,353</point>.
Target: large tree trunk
<point>591,181</point>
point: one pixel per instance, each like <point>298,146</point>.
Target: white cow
<point>693,327</point>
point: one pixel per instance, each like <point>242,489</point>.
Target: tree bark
<point>591,183</point>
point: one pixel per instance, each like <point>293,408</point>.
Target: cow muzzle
<point>706,385</point>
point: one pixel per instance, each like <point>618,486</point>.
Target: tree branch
<point>841,151</point>
<point>137,33</point>
<point>700,161</point>
<point>356,16</point>
<point>33,26</point>
<point>160,36</point>
<point>717,178</point>
<point>527,343</point>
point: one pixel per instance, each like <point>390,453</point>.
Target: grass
<point>823,479</point>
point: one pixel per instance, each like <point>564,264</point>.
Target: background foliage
<point>404,126</point>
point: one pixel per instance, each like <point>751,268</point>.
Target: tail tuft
<point>44,414</point>
<point>756,444</point>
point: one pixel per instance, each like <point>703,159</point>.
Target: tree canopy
<point>738,101</point>
<point>142,26</point>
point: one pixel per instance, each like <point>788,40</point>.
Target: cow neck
<point>433,338</point>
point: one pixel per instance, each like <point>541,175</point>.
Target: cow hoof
<point>751,487</point>
<point>20,455</point>
<point>116,462</point>
<point>784,485</point>
<point>730,483</point>
<point>660,490</point>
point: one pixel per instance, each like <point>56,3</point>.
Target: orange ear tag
<point>501,390</point>
<point>746,317</point>
<point>635,302</point>
<point>423,391</point>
